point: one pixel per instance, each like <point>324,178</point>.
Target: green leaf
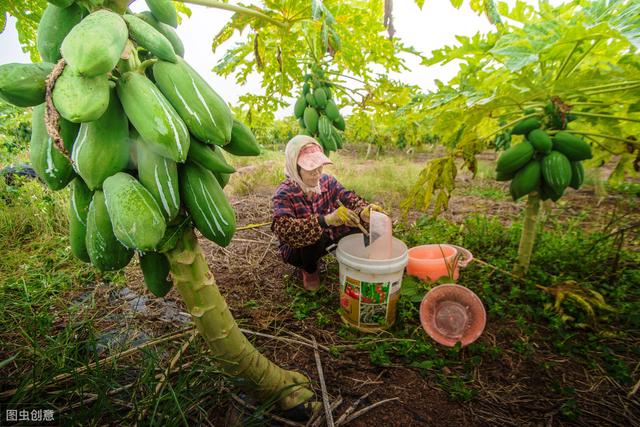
<point>516,52</point>
<point>419,3</point>
<point>457,3</point>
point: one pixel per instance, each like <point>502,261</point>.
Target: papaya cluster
<point>318,114</point>
<point>144,139</point>
<point>542,163</point>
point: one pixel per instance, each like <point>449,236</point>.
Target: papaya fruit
<point>55,24</point>
<point>525,126</point>
<point>324,128</point>
<point>301,104</point>
<point>165,30</point>
<point>102,146</point>
<point>556,171</point>
<point>205,113</point>
<point>526,180</point>
<point>207,204</point>
<point>79,200</point>
<point>306,87</point>
<point>311,100</point>
<point>81,99</point>
<point>104,249</point>
<point>222,178</point>
<point>540,141</point>
<point>155,270</point>
<point>321,97</point>
<point>571,146</point>
<point>164,11</point>
<point>332,110</point>
<point>243,142</point>
<point>149,38</point>
<point>51,166</point>
<point>159,175</point>
<point>311,119</point>
<point>339,123</point>
<point>23,85</point>
<point>502,176</point>
<point>136,218</point>
<point>94,46</point>
<point>152,115</point>
<point>577,174</point>
<point>209,157</point>
<point>515,158</point>
<point>336,137</point>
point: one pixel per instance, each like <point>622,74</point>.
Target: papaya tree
<point>138,136</point>
<point>574,68</point>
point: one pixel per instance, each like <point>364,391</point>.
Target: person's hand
<point>342,216</point>
<point>365,214</point>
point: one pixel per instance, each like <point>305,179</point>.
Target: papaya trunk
<point>528,237</point>
<point>236,356</point>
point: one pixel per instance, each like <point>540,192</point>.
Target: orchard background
<point>559,277</point>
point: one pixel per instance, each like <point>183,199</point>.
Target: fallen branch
<point>291,340</point>
<point>323,386</point>
<point>320,416</point>
<point>368,408</point>
<point>352,408</point>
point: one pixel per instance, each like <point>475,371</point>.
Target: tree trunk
<point>236,356</point>
<point>528,237</point>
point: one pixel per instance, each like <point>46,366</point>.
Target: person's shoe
<point>310,281</point>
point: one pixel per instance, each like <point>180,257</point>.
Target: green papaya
<point>104,249</point>
<point>207,204</point>
<point>209,156</point>
<point>94,46</point>
<point>155,270</point>
<point>159,175</point>
<point>102,146</point>
<point>526,180</point>
<point>311,119</point>
<point>55,24</point>
<point>515,158</point>
<point>525,126</point>
<point>50,165</point>
<point>79,200</point>
<point>165,30</point>
<point>332,110</point>
<point>164,11</point>
<point>336,137</point>
<point>23,85</point>
<point>137,220</point>
<point>311,100</point>
<point>153,116</point>
<point>321,97</point>
<point>324,128</point>
<point>328,143</point>
<point>149,38</point>
<point>81,99</point>
<point>339,123</point>
<point>68,133</point>
<point>222,178</point>
<point>301,104</point>
<point>243,142</point>
<point>306,87</point>
<point>540,141</point>
<point>301,123</point>
<point>556,171</point>
<point>571,146</point>
<point>577,174</point>
<point>205,113</point>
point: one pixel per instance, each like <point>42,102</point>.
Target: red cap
<point>312,157</point>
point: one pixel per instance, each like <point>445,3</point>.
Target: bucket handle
<point>332,248</point>
<point>465,256</point>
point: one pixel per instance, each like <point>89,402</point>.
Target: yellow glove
<point>366,212</point>
<point>342,216</point>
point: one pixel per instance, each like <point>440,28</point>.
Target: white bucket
<point>369,288</point>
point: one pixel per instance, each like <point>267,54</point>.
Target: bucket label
<point>371,304</point>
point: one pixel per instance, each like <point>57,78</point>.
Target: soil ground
<point>252,277</point>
